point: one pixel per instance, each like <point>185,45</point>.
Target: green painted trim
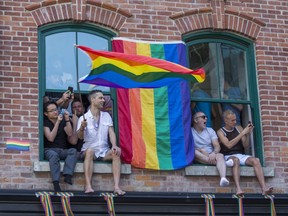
<point>246,45</point>
<point>53,28</point>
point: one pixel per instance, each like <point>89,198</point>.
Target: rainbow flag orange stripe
<point>13,144</point>
<point>120,70</point>
<point>155,124</point>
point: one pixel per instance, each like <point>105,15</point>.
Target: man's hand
<point>116,150</point>
<point>66,96</point>
<point>212,158</point>
<point>248,129</point>
<point>60,118</point>
<point>83,125</point>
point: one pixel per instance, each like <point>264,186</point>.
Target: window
<point>230,80</point>
<point>61,64</point>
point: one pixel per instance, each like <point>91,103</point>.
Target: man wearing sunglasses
<point>207,147</point>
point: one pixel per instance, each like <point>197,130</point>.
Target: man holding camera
<point>57,127</point>
<point>233,140</point>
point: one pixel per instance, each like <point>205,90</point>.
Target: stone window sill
<point>202,170</point>
<point>99,167</point>
<point>193,170</point>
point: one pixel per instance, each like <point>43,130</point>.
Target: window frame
<point>54,28</point>
<point>247,46</point>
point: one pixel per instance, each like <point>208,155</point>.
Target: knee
<point>52,155</point>
<point>219,156</point>
<point>72,151</point>
<point>256,162</point>
<point>236,161</point>
<point>89,154</point>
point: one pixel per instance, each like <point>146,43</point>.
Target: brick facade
<point>263,21</point>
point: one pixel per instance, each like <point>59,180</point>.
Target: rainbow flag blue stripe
<point>18,145</point>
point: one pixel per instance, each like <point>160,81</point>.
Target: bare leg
<point>236,176</point>
<point>220,164</point>
<point>116,166</point>
<point>88,170</point>
<point>255,162</point>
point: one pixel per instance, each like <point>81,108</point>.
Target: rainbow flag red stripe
<point>155,124</point>
<point>120,70</point>
<point>19,145</point>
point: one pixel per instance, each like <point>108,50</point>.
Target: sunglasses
<point>203,117</point>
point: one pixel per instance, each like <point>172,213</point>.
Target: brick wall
<point>264,21</point>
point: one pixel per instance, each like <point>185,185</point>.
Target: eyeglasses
<point>53,110</point>
<point>203,117</point>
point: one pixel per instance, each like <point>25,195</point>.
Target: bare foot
<point>119,192</point>
<point>267,191</point>
<point>89,190</point>
<point>240,193</point>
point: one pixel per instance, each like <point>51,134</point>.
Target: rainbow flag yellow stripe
<point>19,145</point>
<point>122,70</point>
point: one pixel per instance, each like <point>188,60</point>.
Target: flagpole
<point>77,80</point>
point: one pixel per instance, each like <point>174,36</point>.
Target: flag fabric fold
<point>122,70</point>
<point>155,124</point>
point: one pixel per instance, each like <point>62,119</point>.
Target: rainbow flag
<point>155,124</point>
<point>120,70</point>
<point>13,144</point>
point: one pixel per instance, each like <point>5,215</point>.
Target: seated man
<point>77,110</point>
<point>95,129</point>
<point>233,140</point>
<point>207,147</point>
<point>56,130</point>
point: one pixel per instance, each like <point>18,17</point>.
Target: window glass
<point>62,59</point>
<point>59,58</point>
<point>225,67</point>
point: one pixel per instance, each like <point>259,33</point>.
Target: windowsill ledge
<point>99,167</point>
<point>202,170</point>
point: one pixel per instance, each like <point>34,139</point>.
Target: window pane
<point>222,63</point>
<point>234,65</point>
<point>60,58</point>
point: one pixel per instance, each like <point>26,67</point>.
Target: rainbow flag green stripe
<point>118,70</point>
<point>155,124</point>
<point>14,144</point>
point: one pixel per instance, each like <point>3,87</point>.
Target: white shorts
<point>242,157</point>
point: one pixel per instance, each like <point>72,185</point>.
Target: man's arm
<point>112,136</point>
<point>50,135</point>
<point>74,138</point>
<point>216,146</point>
<point>245,139</point>
<point>68,127</point>
<point>233,142</point>
<point>82,124</point>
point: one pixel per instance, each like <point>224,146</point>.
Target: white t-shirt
<point>96,133</point>
<point>204,139</point>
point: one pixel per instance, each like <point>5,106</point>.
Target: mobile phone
<point>70,90</point>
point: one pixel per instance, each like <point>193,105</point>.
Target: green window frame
<point>53,29</point>
<point>251,101</point>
